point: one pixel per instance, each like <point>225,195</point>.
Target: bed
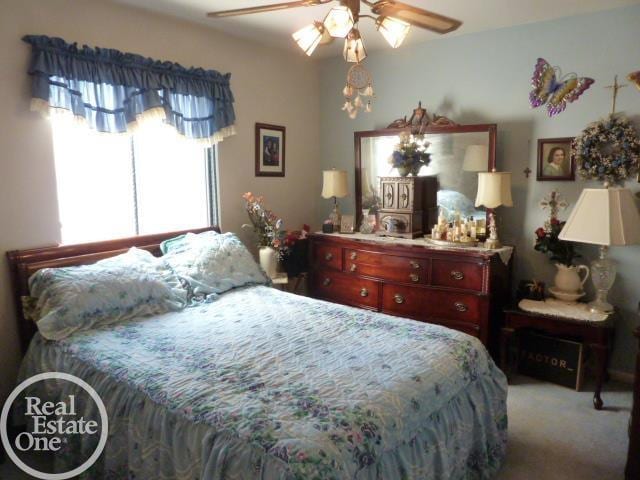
<point>265,384</point>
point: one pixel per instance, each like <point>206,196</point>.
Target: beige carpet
<point>554,434</point>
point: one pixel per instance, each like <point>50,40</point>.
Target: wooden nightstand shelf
<point>597,336</point>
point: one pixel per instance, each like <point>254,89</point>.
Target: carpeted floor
<point>554,434</point>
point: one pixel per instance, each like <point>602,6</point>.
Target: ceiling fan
<point>393,20</point>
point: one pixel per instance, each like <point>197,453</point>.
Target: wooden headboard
<point>24,263</point>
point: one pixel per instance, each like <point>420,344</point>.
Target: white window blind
<point>112,186</point>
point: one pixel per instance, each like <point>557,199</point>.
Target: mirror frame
<point>490,128</point>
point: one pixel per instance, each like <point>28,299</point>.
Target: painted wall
<point>270,86</point>
<point>485,78</point>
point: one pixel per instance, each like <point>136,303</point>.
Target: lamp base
<point>600,304</point>
<point>335,216</point>
<point>492,243</point>
<point>603,274</point>
<point>600,307</point>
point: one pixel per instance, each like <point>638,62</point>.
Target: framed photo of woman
<point>270,150</point>
<point>554,159</point>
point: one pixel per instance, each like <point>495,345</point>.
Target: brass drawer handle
<point>328,257</point>
<point>326,282</point>
<point>461,307</point>
<point>398,298</point>
<point>414,264</point>
<point>414,277</point>
<point>364,292</point>
<point>353,255</point>
<point>353,267</point>
<point>457,275</point>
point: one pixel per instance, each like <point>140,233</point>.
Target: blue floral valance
<point>114,91</point>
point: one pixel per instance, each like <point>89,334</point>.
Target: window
<point>112,186</point>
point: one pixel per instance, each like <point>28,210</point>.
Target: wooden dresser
<point>461,289</point>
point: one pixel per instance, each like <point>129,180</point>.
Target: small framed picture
<point>554,159</point>
<point>270,150</point>
<point>347,224</point>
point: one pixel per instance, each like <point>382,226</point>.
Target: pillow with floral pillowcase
<point>69,299</point>
<point>211,263</point>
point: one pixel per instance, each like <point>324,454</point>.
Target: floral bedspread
<point>265,384</point>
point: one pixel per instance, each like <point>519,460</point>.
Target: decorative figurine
<point>555,93</point>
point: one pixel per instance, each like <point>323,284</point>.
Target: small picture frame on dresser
<point>347,224</point>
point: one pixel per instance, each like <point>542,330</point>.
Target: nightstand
<point>281,280</point>
<point>597,336</point>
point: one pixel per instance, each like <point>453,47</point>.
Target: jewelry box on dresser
<point>408,205</point>
<point>464,289</point>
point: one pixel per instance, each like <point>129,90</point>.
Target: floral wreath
<point>607,150</point>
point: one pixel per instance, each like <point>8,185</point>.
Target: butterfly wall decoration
<point>634,77</point>
<point>555,92</point>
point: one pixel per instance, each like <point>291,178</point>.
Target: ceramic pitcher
<point>568,279</point>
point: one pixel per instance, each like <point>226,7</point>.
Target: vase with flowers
<point>567,279</point>
<point>294,251</point>
<point>410,154</point>
<point>268,229</point>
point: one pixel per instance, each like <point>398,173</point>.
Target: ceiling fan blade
<point>266,8</point>
<point>416,16</point>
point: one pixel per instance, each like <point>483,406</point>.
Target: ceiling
<point>275,28</point>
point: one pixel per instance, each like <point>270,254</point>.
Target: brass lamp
<point>494,190</point>
<point>334,184</point>
<point>603,216</point>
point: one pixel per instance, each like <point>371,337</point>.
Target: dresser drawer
<point>393,268</point>
<point>346,288</point>
<point>465,275</point>
<point>388,267</point>
<point>404,300</point>
<point>362,256</point>
<point>455,306</point>
<point>327,256</point>
<point>404,269</point>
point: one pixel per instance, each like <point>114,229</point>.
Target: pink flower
<point>301,456</point>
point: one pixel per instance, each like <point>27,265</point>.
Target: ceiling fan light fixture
<point>339,21</point>
<point>393,30</point>
<point>354,51</point>
<point>309,37</point>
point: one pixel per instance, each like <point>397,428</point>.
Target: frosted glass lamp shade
<point>393,30</point>
<point>476,158</point>
<point>604,216</point>
<point>309,37</point>
<point>494,189</point>
<point>339,21</point>
<point>334,184</point>
<point>354,51</point>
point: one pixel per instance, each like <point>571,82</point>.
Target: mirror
<point>457,153</point>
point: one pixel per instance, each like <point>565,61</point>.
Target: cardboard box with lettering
<point>552,359</point>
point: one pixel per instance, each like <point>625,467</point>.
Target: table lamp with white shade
<point>494,190</point>
<point>605,217</point>
<point>334,184</point>
<point>476,158</point>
